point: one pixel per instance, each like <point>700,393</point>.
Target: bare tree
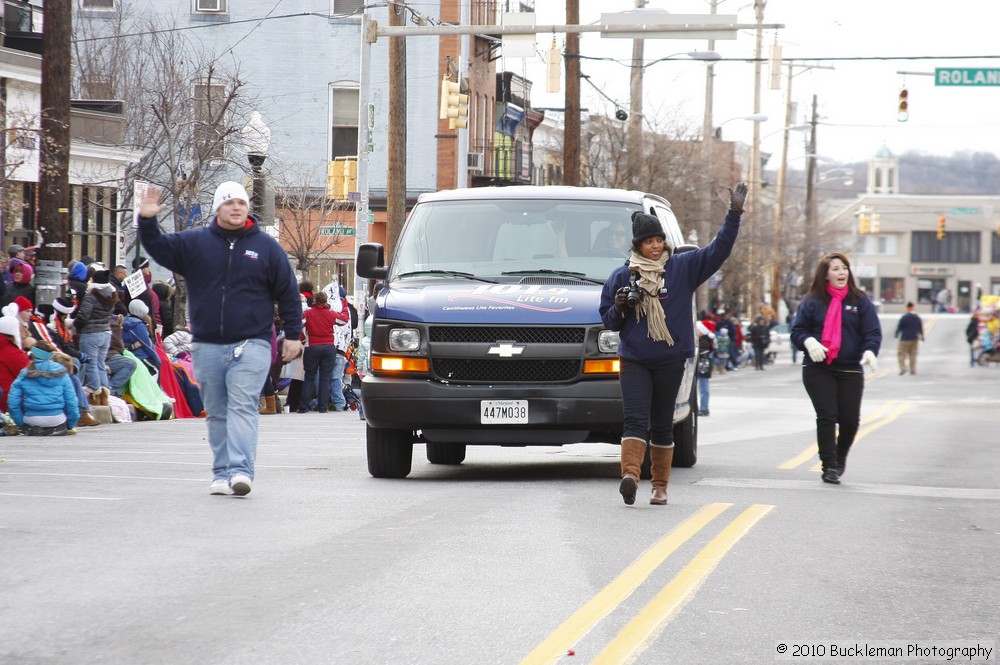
<point>185,107</point>
<point>303,213</point>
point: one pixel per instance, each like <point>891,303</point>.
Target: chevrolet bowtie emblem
<point>505,350</point>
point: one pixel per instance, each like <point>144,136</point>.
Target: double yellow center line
<point>634,637</point>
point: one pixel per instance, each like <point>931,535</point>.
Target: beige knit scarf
<point>651,281</point>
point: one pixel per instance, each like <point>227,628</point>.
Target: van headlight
<point>404,339</point>
<point>607,341</point>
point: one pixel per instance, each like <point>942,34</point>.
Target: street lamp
<point>256,137</point>
<point>753,117</point>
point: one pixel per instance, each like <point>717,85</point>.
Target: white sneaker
<point>240,484</point>
<point>220,486</point>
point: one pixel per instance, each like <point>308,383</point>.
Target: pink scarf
<point>832,324</point>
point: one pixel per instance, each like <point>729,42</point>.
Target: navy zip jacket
<point>233,280</point>
<point>682,275</point>
<point>860,331</point>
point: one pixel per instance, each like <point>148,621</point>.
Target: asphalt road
<point>113,551</point>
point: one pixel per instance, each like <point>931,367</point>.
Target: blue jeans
<point>95,345</point>
<point>703,393</point>
<point>120,369</point>
<point>337,383</point>
<point>318,360</point>
<point>230,387</point>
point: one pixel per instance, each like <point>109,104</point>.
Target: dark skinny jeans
<point>649,391</point>
<point>836,397</point>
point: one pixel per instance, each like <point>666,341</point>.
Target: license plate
<point>503,412</point>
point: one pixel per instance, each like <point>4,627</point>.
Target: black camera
<point>634,292</point>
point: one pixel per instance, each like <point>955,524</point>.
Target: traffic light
<point>873,223</point>
<point>903,112</point>
<point>454,105</point>
<point>940,231</point>
<point>864,226</point>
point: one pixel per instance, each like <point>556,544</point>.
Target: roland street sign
<point>966,76</point>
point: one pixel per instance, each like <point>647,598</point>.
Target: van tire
<point>390,452</point>
<point>445,453</point>
<point>686,436</point>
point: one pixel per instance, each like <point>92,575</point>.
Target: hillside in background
<point>963,173</point>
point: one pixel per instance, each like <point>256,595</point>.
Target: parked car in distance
<point>781,344</point>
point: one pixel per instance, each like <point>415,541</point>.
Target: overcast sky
<point>857,99</point>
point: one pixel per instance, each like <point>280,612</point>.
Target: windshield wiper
<point>560,273</point>
<point>449,273</point>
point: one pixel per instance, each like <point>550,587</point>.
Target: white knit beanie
<point>138,308</point>
<point>229,190</point>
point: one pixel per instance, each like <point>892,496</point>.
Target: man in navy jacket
<point>235,274</point>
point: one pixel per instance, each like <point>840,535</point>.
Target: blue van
<point>486,328</point>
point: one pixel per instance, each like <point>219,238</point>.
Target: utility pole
<point>756,288</point>
<point>811,237</point>
<point>53,176</point>
<point>708,163</point>
<point>395,200</point>
<point>571,121</point>
<point>635,160</point>
<point>779,197</point>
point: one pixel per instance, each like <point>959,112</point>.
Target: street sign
<point>964,211</point>
<point>966,76</point>
<point>336,230</point>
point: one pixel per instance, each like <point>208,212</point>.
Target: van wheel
<point>445,453</point>
<point>686,436</point>
<point>390,452</point>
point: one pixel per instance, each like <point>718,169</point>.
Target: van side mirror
<point>371,261</point>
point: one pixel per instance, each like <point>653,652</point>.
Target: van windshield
<point>505,239</point>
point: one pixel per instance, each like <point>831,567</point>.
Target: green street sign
<point>336,230</point>
<point>964,211</point>
<point>966,76</point>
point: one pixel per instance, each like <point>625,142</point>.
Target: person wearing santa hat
<point>12,358</point>
<point>235,273</point>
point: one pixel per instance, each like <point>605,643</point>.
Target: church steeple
<point>883,172</point>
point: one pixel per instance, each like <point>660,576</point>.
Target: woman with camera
<point>648,300</point>
<point>838,328</point>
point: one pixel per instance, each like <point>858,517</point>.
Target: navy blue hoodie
<point>682,275</point>
<point>860,331</point>
<point>233,280</point>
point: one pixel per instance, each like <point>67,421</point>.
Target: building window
<point>344,125</point>
<point>867,284</point>
<point>893,289</point>
<point>883,245</point>
<point>344,8</point>
<point>955,247</point>
<point>103,5</point>
<point>210,126</point>
<point>995,248</point>
<point>210,6</point>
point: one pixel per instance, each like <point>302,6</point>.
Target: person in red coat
<point>320,352</point>
<point>12,358</point>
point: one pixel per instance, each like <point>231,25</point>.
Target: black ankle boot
<point>831,476</point>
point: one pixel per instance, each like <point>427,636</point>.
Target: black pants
<point>836,397</point>
<point>759,356</point>
<point>649,391</point>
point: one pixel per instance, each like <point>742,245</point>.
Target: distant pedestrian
<point>760,339</point>
<point>703,369</point>
<point>235,273</point>
<point>910,331</point>
<point>838,328</point>
<point>972,337</point>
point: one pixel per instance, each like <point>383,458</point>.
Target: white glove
<point>816,351</point>
<point>868,358</point>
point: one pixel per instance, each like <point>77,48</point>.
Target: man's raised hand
<point>149,204</point>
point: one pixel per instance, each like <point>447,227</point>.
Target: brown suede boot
<point>87,420</point>
<point>661,459</point>
<point>633,450</point>
<point>269,406</point>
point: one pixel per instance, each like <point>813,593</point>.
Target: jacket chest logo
<point>250,254</point>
